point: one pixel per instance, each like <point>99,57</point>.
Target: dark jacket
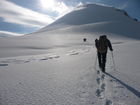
<point>102,44</point>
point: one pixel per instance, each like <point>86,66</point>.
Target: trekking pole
<point>113,60</point>
<point>95,62</point>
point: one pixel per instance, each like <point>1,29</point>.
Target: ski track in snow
<point>20,60</point>
<point>43,57</point>
<point>108,89</point>
<point>105,91</point>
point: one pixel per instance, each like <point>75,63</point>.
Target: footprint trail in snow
<point>109,89</point>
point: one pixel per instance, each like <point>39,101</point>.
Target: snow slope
<point>94,18</point>
<point>55,67</point>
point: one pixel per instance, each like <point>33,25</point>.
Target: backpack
<point>102,45</point>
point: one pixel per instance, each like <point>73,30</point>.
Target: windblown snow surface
<point>55,67</point>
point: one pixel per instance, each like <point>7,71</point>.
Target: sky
<point>18,17</point>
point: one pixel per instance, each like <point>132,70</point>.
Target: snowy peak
<point>92,18</point>
<point>92,13</point>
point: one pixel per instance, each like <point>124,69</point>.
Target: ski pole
<point>113,60</point>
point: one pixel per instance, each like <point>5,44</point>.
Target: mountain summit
<point>91,18</point>
<point>92,13</point>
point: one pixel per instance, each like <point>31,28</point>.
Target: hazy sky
<point>26,16</point>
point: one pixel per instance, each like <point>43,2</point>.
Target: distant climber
<point>84,39</point>
<point>102,46</point>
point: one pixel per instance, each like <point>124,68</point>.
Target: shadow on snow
<point>131,89</point>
